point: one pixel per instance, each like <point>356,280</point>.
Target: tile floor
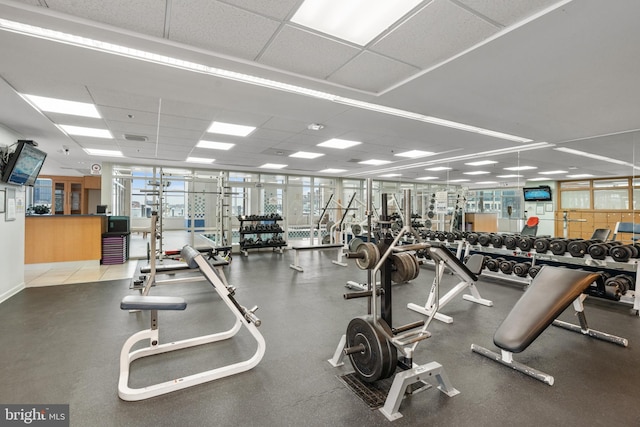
<point>65,273</point>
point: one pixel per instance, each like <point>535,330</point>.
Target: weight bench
<point>243,317</point>
<point>549,294</point>
<point>467,273</point>
<point>296,249</point>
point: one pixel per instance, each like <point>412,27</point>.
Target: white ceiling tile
<point>220,27</point>
<point>372,72</point>
<point>278,9</point>
<point>508,12</point>
<point>306,53</point>
<point>436,33</point>
<point>142,16</point>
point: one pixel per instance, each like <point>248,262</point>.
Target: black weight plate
<point>374,362</point>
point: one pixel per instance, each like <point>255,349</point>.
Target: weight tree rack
<point>370,341</point>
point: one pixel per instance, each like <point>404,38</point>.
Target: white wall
<point>11,236</point>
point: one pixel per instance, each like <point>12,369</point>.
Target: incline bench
<point>296,249</point>
<point>550,293</point>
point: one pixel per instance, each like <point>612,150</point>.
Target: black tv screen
<point>24,164</point>
<point>537,194</point>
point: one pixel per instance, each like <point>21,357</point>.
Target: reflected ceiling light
<point>84,131</point>
<point>597,157</point>
<point>54,105</point>
<point>459,180</point>
<point>214,145</point>
<point>487,182</point>
<point>103,153</point>
<point>101,46</point>
<point>356,21</point>
<point>374,162</point>
<point>476,173</point>
<point>538,179</point>
<point>520,168</point>
<point>306,155</point>
<point>200,160</point>
<point>481,163</point>
<point>426,178</point>
<point>510,176</point>
<point>339,143</point>
<point>272,166</point>
<point>230,129</point>
<point>438,168</point>
<point>552,172</point>
<point>580,175</point>
<point>331,170</point>
<point>415,154</point>
<point>390,175</point>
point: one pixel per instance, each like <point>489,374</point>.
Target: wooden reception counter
<point>60,238</point>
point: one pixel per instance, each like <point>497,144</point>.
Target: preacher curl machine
<point>371,342</point>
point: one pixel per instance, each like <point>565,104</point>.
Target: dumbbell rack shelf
<point>254,227</point>
<point>632,266</point>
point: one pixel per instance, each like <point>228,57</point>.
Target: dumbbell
<point>510,241</point>
<point>525,243</point>
<point>542,245</point>
<point>506,266</point>
<point>600,250</point>
<point>533,270</point>
<point>622,253</point>
<point>558,246</point>
<point>441,235</point>
<point>497,241</point>
<point>472,238</point>
<point>484,239</point>
<point>521,269</point>
<point>450,237</point>
<point>493,264</point>
<point>617,286</point>
<point>578,248</point>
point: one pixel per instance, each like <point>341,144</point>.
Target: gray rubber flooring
<point>61,344</point>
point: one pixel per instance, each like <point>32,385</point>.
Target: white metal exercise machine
<point>244,317</point>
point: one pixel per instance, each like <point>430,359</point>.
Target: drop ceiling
<point>559,72</point>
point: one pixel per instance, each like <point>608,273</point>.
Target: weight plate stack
<point>379,358</point>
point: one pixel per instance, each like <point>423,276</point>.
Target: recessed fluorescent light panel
<point>331,170</point>
<point>230,129</point>
<point>476,173</point>
<point>306,155</point>
<point>104,153</point>
<point>54,105</point>
<point>390,175</point>
<point>580,175</point>
<point>458,180</point>
<point>214,145</point>
<point>426,178</point>
<point>357,21</point>
<point>339,143</point>
<point>272,166</point>
<point>481,163</point>
<point>520,168</point>
<point>538,179</point>
<point>199,160</point>
<point>374,162</point>
<point>438,168</point>
<point>553,172</point>
<point>510,176</point>
<point>415,154</point>
<point>487,182</point>
<point>83,131</point>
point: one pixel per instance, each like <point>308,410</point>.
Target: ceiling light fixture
<point>597,157</point>
<point>438,168</point>
<point>552,172</point>
<point>306,155</point>
<point>230,129</point>
<point>538,179</point>
<point>459,180</point>
<point>214,145</point>
<point>476,173</point>
<point>520,168</point>
<point>390,175</point>
<point>481,163</point>
<point>580,175</point>
<point>415,154</point>
<point>339,143</point>
<point>426,178</point>
<point>510,176</point>
<point>84,131</point>
<point>374,162</point>
<point>331,170</point>
<point>54,105</point>
<point>103,153</point>
<point>84,42</point>
<point>272,166</point>
<point>199,160</point>
<point>315,126</point>
<point>486,182</point>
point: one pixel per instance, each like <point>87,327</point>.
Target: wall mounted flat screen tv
<point>24,164</point>
<point>537,194</point>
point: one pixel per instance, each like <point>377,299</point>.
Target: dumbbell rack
<point>258,226</point>
<point>631,267</point>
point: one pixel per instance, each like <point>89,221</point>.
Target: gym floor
<point>60,344</point>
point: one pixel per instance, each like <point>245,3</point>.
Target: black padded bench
<point>296,249</point>
<point>148,302</point>
<point>550,293</point>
